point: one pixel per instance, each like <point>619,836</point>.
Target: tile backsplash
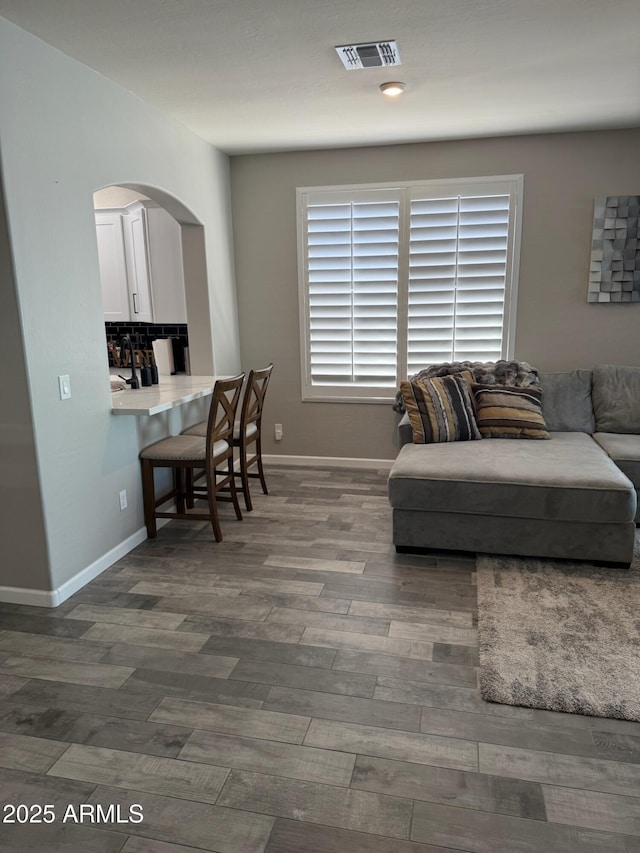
<point>142,334</point>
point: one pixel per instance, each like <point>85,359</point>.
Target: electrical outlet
<point>278,432</point>
<point>123,500</point>
<point>64,386</point>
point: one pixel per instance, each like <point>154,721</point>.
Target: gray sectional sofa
<point>573,496</point>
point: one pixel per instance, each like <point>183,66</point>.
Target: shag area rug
<point>560,636</point>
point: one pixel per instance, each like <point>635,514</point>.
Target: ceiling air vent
<point>373,55</point>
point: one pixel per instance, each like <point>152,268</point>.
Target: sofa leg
<point>607,564</point>
<point>412,549</point>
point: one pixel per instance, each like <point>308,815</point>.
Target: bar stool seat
<point>251,429</point>
<point>186,447</point>
<point>201,430</point>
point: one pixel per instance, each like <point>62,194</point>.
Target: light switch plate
<point>64,384</point>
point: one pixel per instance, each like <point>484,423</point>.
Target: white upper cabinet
<point>113,267</point>
<point>140,297</point>
<point>166,267</point>
<point>141,269</point>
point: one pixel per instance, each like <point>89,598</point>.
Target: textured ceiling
<point>262,75</point>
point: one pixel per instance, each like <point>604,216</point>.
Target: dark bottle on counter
<point>154,374</point>
<point>145,375</point>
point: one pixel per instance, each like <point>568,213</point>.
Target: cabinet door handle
<point>135,304</point>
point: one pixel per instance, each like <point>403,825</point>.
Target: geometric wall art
<point>614,274</point>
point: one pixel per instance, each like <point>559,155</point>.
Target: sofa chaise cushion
<point>566,478</point>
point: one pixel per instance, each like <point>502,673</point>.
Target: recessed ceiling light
<point>392,90</point>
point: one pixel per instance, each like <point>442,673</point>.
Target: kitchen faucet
<point>133,380</point>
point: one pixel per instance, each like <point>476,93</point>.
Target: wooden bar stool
<point>187,453</point>
<point>250,431</point>
<point>247,433</point>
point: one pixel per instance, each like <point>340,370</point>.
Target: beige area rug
<point>560,636</point>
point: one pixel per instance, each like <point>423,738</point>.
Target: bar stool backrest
<point>253,401</point>
<point>222,413</point>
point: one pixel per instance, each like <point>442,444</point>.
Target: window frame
<point>512,185</point>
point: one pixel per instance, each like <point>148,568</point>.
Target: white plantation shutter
<point>351,273</point>
<point>394,279</point>
<point>458,264</point>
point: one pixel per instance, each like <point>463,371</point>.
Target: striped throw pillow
<point>440,409</point>
<point>505,411</point>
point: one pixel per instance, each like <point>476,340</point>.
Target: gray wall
<point>556,328</point>
<point>66,132</point>
<point>20,500</point>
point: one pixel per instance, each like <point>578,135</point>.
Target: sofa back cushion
<point>616,398</point>
<point>566,401</point>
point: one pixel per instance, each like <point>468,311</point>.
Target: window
<point>394,278</point>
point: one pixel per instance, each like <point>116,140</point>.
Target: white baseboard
<point>328,461</point>
<point>35,597</point>
<point>100,565</point>
<point>54,597</point>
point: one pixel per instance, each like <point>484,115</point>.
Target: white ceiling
<point>263,75</point>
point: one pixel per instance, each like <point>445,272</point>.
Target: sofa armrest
<point>405,430</point>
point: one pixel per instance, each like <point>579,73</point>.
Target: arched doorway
<point>154,272</point>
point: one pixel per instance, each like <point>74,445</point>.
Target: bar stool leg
<point>213,507</point>
<point>189,480</point>
<point>149,499</point>
<point>244,476</point>
<point>179,482</point>
<point>260,469</point>
<point>234,491</point>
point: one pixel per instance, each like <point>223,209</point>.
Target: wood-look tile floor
<point>297,688</point>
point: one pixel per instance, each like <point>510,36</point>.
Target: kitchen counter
<point>171,392</point>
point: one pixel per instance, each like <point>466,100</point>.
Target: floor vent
<point>372,55</point>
